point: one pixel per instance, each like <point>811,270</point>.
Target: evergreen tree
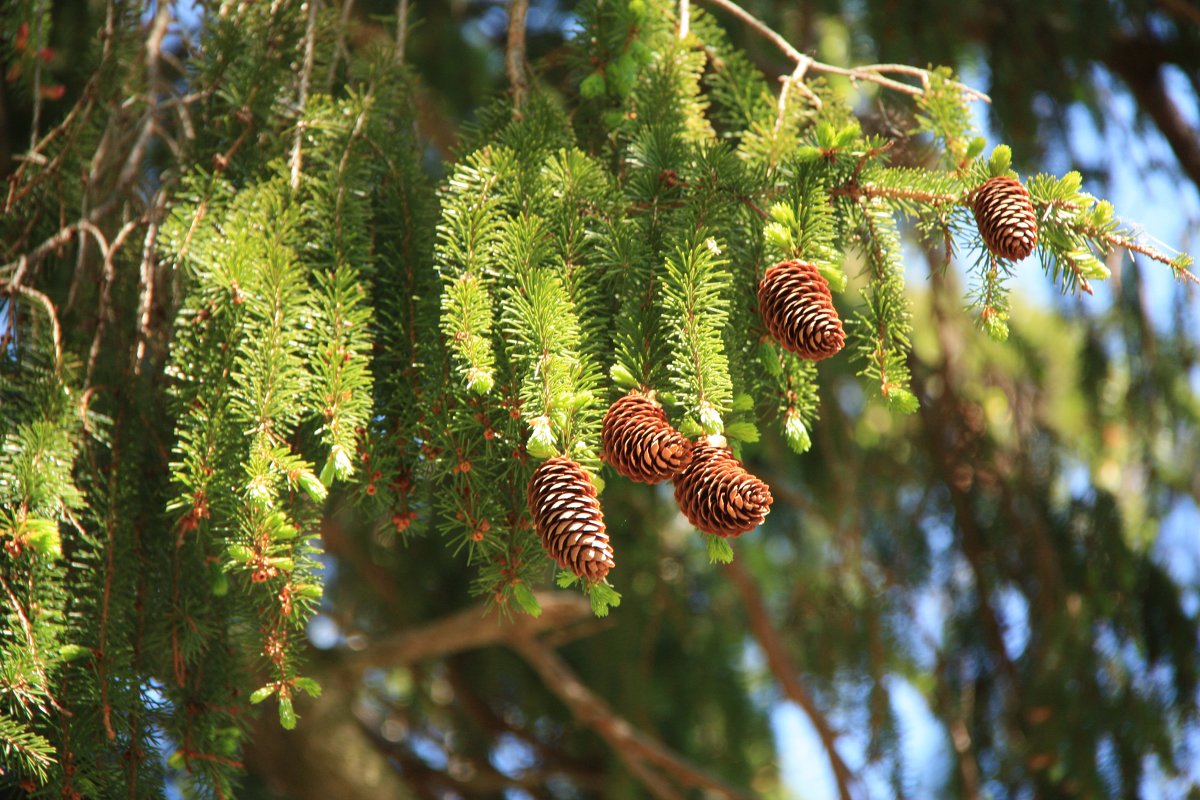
<point>276,366</point>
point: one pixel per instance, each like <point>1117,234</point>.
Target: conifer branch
<point>514,55</point>
<point>872,73</point>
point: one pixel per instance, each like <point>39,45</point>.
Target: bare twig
<point>796,79</point>
<point>785,672</point>
<point>310,41</point>
<point>37,43</point>
<point>340,50</point>
<point>627,741</point>
<point>109,278</point>
<point>514,54</point>
<point>401,29</point>
<point>146,280</point>
<point>685,13</point>
<point>55,328</point>
<point>872,73</point>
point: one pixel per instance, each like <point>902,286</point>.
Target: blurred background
<point>995,597</point>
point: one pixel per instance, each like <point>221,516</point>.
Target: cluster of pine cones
<point>712,487</point>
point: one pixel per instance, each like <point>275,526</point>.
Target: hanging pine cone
<point>1005,218</point>
<point>718,495</point>
<point>639,441</point>
<point>567,516</point>
<point>797,308</point>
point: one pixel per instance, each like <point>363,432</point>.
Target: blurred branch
<point>471,628</point>
<point>1139,62</point>
<point>634,748</point>
<point>771,642</point>
<point>514,54</point>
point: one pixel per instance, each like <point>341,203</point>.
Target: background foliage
<point>221,337</point>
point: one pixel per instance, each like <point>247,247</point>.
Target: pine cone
<point>1005,218</point>
<point>567,516</point>
<point>639,441</point>
<point>718,495</point>
<point>797,308</point>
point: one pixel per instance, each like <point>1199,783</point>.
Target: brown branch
<point>310,41</point>
<point>1139,62</point>
<point>629,743</point>
<point>872,73</point>
<point>55,327</point>
<point>146,281</point>
<point>466,630</point>
<point>514,55</point>
<point>780,663</point>
<point>401,29</point>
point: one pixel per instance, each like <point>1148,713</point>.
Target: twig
<point>514,55</point>
<point>109,278</point>
<point>685,13</point>
<point>339,49</point>
<point>55,328</point>
<point>627,741</point>
<point>401,29</point>
<point>870,72</point>
<point>310,41</point>
<point>37,45</point>
<point>146,280</point>
<point>788,81</point>
<point>785,672</point>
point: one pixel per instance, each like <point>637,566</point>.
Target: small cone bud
<point>1004,214</point>
<point>639,441</point>
<point>568,519</point>
<point>797,308</point>
<point>718,495</point>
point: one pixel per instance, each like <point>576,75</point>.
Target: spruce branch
<point>872,73</point>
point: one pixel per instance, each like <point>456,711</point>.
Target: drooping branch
<point>785,672</point>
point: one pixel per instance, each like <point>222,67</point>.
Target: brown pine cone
<point>568,519</point>
<point>718,495</point>
<point>639,441</point>
<point>797,308</point>
<point>1005,218</point>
